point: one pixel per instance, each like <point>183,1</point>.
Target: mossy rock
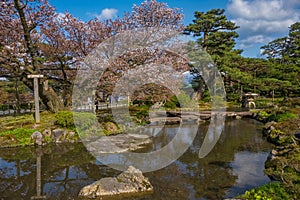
<point>285,167</point>
<point>111,128</point>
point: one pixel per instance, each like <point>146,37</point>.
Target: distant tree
<point>152,13</point>
<point>286,49</point>
<point>294,36</point>
<point>284,56</point>
<point>214,31</point>
<point>216,35</point>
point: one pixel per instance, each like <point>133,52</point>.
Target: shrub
<point>171,103</point>
<point>185,101</point>
<point>64,119</point>
<point>84,121</point>
<point>182,100</point>
<point>271,191</point>
<point>278,115</point>
<point>206,96</point>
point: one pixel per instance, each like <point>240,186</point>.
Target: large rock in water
<point>131,181</point>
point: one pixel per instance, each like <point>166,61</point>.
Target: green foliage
<point>275,114</point>
<point>265,103</point>
<point>262,116</point>
<point>22,135</point>
<point>291,102</point>
<point>64,119</point>
<point>271,191</point>
<point>185,101</point>
<point>140,114</point>
<point>284,167</point>
<point>182,100</point>
<point>283,54</point>
<point>205,96</point>
<point>216,33</point>
<point>283,116</point>
<point>171,103</point>
<point>285,49</point>
<point>84,120</point>
<point>232,97</point>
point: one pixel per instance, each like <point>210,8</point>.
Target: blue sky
<point>260,21</point>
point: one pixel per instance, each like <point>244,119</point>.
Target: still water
<point>235,165</point>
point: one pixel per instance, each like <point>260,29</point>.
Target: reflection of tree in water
<point>65,169</point>
<point>212,176</point>
<point>15,166</point>
<point>69,168</point>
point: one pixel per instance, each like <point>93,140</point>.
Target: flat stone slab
<point>118,143</point>
<point>131,181</point>
<point>167,119</point>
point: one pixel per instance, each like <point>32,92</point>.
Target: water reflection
<point>234,165</point>
<point>39,154</point>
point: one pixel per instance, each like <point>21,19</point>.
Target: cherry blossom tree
<point>20,55</point>
<point>153,15</point>
<point>35,39</point>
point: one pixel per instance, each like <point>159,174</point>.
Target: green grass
<point>284,116</point>
<point>17,130</point>
<point>27,122</point>
<point>20,136</point>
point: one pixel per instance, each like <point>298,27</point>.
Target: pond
<point>235,164</point>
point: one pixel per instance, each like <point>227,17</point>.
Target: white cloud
<point>261,21</point>
<point>268,10</point>
<point>107,13</point>
<point>250,41</point>
<point>248,167</point>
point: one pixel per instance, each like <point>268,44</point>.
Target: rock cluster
<point>129,182</point>
<point>277,136</point>
<point>56,135</point>
<point>283,163</point>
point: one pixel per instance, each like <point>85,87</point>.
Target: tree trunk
<point>67,96</point>
<point>47,95</point>
<point>50,99</point>
<point>17,96</point>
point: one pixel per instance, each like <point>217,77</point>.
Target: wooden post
<point>36,96</point>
